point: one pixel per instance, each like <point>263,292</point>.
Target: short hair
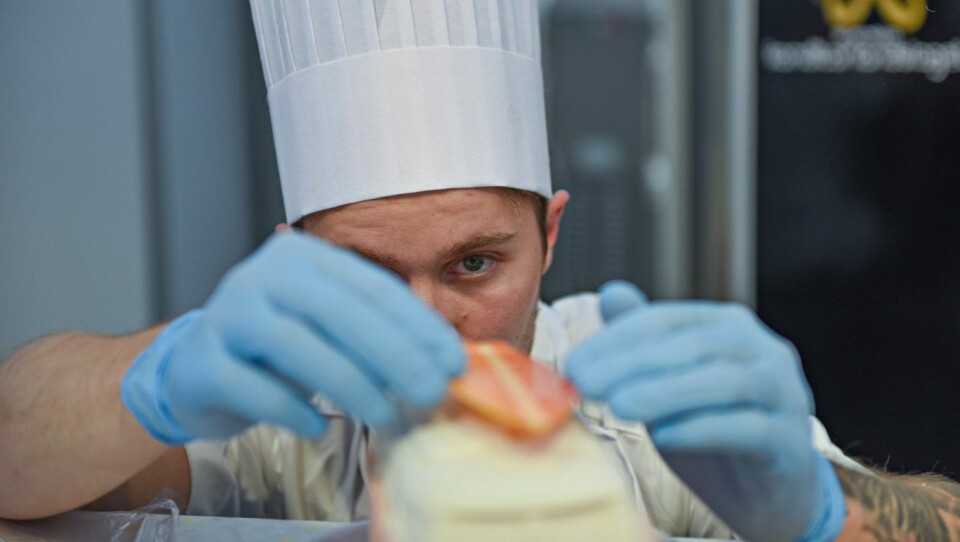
<point>537,203</point>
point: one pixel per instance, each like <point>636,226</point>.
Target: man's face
<point>474,255</point>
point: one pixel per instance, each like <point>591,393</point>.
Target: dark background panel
<point>597,113</point>
<point>859,242</point>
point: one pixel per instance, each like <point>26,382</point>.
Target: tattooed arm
<point>899,508</point>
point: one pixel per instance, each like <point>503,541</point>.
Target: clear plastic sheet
<point>155,522</point>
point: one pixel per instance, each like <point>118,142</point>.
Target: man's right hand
<point>298,317</point>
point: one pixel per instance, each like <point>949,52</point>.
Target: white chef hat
<point>375,98</point>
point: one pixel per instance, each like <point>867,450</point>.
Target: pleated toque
<point>376,98</point>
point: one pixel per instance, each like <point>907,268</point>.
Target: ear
<point>555,208</point>
<point>280,228</point>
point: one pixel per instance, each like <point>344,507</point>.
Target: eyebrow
<point>384,260</point>
<point>479,241</point>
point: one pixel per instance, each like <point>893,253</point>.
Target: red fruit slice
<point>505,387</point>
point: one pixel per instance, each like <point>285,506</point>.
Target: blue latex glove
<point>300,316</point>
<point>726,404</point>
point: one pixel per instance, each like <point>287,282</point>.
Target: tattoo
<point>900,508</point>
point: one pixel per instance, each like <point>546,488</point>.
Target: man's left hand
<point>726,404</point>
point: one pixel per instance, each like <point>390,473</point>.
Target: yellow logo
<point>907,15</point>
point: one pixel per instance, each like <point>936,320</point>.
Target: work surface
<point>93,526</point>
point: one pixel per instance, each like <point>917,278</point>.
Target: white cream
<point>460,481</point>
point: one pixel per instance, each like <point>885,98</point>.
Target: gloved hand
<point>726,404</point>
<point>300,316</point>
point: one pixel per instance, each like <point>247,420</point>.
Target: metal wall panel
<point>614,107</point>
<point>74,169</point>
<point>204,134</point>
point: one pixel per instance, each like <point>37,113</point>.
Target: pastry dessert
<point>503,460</point>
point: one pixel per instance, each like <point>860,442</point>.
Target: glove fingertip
<point>577,366</point>
<point>618,297</point>
<point>426,391</point>
<point>622,407</point>
<point>314,427</point>
<point>582,381</point>
<point>571,367</point>
<point>455,361</point>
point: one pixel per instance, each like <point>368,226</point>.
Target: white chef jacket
<point>269,472</point>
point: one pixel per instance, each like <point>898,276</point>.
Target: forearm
<point>899,508</point>
<point>65,437</point>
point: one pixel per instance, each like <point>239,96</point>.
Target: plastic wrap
<point>155,522</point>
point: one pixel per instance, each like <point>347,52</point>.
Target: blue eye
<point>473,265</point>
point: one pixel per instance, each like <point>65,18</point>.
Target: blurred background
<point>721,149</point>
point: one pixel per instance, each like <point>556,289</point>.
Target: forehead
<point>425,219</point>
<point>463,205</point>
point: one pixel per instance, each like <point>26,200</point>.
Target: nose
<point>436,295</point>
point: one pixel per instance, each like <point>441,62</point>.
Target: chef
<point>413,157</point>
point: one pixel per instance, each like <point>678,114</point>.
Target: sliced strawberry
<point>508,389</point>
